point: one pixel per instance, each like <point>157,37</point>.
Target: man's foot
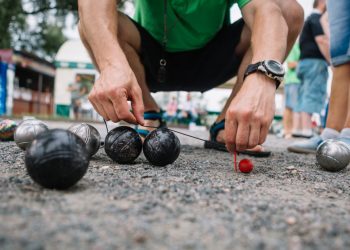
<point>346,140</point>
<point>300,135</point>
<point>152,119</point>
<point>306,147</point>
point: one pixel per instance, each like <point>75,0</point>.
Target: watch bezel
<point>269,69</point>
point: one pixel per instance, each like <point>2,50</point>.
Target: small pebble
<point>291,220</point>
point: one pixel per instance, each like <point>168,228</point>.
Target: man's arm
<point>322,35</point>
<point>117,83</point>
<point>251,111</point>
<point>323,44</point>
<point>323,40</point>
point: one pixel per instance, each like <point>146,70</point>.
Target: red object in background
<point>245,166</point>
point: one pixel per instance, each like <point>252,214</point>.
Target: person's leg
<point>306,125</point>
<point>339,18</point>
<point>288,113</point>
<point>338,103</point>
<point>290,118</point>
<point>130,41</point>
<point>345,77</point>
<point>296,123</point>
<point>287,122</point>
<point>293,15</point>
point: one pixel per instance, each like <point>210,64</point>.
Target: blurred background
<point>46,72</point>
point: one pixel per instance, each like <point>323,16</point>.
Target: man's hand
<point>250,113</point>
<point>109,96</point>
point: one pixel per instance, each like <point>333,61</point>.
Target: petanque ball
<point>7,130</point>
<point>89,135</point>
<point>57,159</point>
<point>161,147</point>
<point>26,132</point>
<point>333,155</point>
<point>123,145</point>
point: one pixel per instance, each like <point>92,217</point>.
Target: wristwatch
<point>270,68</point>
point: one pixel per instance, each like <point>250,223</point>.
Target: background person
<point>291,119</point>
<point>313,73</point>
<point>312,69</point>
<point>338,119</point>
<point>75,92</point>
<point>171,110</point>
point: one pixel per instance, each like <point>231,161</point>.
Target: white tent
<point>71,59</point>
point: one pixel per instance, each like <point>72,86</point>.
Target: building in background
<point>26,85</point>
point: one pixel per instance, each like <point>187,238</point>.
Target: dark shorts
<point>195,70</point>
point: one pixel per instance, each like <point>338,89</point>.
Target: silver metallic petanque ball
<point>89,135</point>
<point>26,132</point>
<point>333,155</point>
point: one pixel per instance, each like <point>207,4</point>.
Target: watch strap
<point>252,68</point>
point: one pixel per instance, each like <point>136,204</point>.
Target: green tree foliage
<point>49,18</point>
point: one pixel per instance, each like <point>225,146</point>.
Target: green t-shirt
<point>291,74</point>
<point>191,23</point>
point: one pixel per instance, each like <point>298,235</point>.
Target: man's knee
<point>294,16</point>
<point>81,32</point>
<point>127,32</point>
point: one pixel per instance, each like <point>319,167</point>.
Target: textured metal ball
<point>333,155</point>
<point>161,147</point>
<point>123,145</point>
<point>57,159</point>
<point>89,135</point>
<point>26,132</point>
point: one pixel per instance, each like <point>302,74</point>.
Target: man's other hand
<point>250,113</point>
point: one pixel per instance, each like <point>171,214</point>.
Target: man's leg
<point>130,41</point>
<point>293,15</point>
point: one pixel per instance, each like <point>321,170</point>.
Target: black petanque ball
<point>89,135</point>
<point>123,145</point>
<point>57,159</point>
<point>161,147</point>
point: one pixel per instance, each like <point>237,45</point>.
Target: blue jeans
<point>291,95</point>
<point>339,22</point>
<point>313,74</point>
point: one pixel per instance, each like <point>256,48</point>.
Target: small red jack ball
<point>245,166</point>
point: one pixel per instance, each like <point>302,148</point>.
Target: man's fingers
<point>137,106</point>
<point>254,135</point>
<point>264,130</point>
<point>98,107</point>
<point>230,134</point>
<point>242,137</point>
<point>121,107</point>
<point>109,109</point>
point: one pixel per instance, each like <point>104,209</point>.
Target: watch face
<point>274,67</point>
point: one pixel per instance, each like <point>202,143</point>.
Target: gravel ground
<point>198,202</point>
